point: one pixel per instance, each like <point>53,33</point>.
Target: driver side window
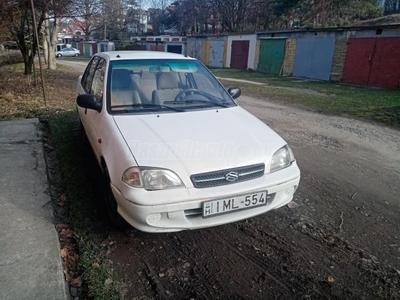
<point>98,80</point>
<point>88,75</point>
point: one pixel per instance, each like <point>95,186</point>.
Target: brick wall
<point>288,62</point>
<point>339,58</point>
<point>257,54</point>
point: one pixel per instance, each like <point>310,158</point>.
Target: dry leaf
<point>76,281</point>
<point>330,280</point>
<point>64,252</point>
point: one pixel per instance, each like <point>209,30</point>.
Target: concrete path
<point>30,264</point>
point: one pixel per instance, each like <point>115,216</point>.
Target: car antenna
<point>118,56</point>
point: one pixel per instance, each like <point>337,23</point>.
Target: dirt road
<point>339,238</point>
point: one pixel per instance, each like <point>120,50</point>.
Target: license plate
<point>223,206</point>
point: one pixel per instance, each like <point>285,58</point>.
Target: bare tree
<point>88,14</point>
<point>53,12</point>
<point>16,16</point>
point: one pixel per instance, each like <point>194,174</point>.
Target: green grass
<point>82,205</point>
<point>326,97</point>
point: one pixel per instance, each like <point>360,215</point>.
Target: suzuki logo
<point>232,176</point>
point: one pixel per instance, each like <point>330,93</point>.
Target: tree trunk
<point>46,40</point>
<point>53,44</point>
<point>28,62</point>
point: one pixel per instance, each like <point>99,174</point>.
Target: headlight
<point>282,158</point>
<point>151,179</point>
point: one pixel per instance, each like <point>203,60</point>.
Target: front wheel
<point>58,55</point>
<point>111,204</point>
<point>76,54</point>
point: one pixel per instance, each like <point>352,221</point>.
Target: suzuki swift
<point>175,149</point>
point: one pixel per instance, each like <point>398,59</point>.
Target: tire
<point>76,54</point>
<point>58,55</point>
<point>111,204</point>
<point>83,135</point>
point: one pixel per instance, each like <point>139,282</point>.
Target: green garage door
<point>272,53</point>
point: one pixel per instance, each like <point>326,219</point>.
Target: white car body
<point>210,141</point>
<point>69,51</point>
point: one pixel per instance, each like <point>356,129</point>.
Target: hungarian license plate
<point>223,206</point>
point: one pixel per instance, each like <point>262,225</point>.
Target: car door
<point>66,52</point>
<point>93,82</point>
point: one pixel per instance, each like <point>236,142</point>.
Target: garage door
<point>217,54</point>
<point>373,62</point>
<point>157,48</point>
<point>272,53</point>
<point>174,49</point>
<point>314,58</point>
<point>196,49</point>
<point>240,54</point>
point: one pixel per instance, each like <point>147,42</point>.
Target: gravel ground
<point>339,238</point>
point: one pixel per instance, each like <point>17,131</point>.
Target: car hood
<point>199,141</point>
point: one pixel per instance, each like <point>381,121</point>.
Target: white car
<point>69,51</point>
<point>175,149</point>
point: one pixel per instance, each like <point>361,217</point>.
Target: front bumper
<point>187,214</point>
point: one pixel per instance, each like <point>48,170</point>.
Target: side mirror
<point>88,101</point>
<point>235,92</point>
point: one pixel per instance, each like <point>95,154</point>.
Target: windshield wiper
<point>196,102</point>
<point>147,106</point>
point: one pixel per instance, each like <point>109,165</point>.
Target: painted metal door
<point>217,54</point>
<point>174,49</point>
<point>240,54</point>
<point>195,49</point>
<point>159,48</point>
<point>373,62</point>
<point>385,69</point>
<point>314,58</point>
<point>272,53</point>
<point>358,61</point>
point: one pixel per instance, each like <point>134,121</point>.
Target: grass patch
<point>326,97</point>
<point>21,98</point>
<point>79,173</point>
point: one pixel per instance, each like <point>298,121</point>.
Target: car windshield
<point>163,85</point>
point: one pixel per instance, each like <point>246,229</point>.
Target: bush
<point>10,57</point>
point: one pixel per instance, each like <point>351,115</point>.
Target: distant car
<point>68,52</point>
<point>175,149</point>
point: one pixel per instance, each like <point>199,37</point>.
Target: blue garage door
<point>314,57</point>
<point>216,54</point>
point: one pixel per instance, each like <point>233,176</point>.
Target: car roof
<point>122,55</point>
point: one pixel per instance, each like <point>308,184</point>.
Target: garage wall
<point>339,58</point>
<point>314,58</point>
<point>252,49</point>
<point>288,62</point>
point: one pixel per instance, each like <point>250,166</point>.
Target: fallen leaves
<point>69,254</point>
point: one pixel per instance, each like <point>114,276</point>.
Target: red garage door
<point>373,61</point>
<point>240,54</point>
<point>385,71</point>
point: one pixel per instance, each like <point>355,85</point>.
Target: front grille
<point>224,177</point>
